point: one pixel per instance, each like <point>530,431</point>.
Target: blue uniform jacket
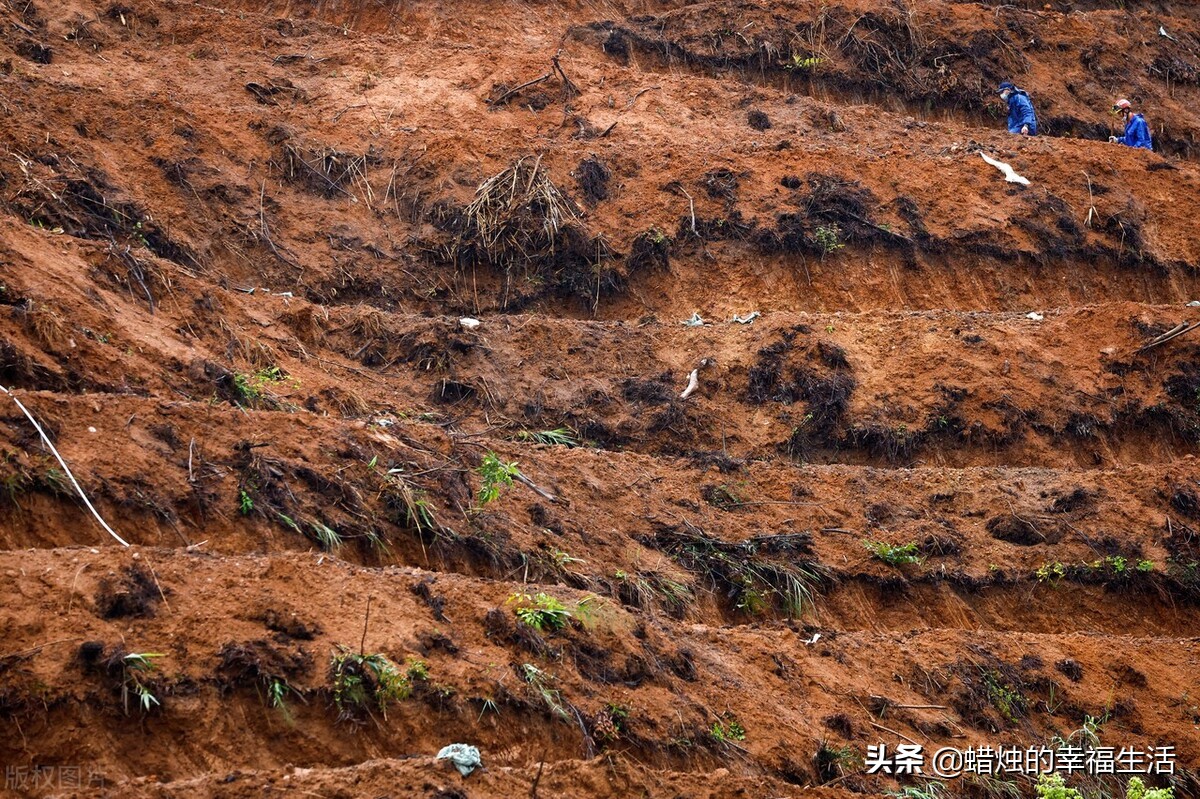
<point>1137,133</point>
<point>1020,113</point>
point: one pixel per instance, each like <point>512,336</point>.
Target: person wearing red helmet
<point>1137,132</point>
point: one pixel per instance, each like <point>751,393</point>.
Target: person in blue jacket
<point>1022,120</point>
<point>1137,132</point>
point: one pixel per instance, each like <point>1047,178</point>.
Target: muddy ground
<point>937,492</point>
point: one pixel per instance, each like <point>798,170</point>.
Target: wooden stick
<point>891,704</point>
<point>893,732</point>
<point>639,94</point>
<point>538,778</point>
<point>502,99</point>
<point>537,490</point>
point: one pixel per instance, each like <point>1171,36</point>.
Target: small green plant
<point>277,695</point>
<point>894,554</point>
<point>1050,572</point>
<point>723,497</point>
<point>495,475</point>
<point>609,723</point>
<point>245,502</point>
<point>803,63</point>
<point>362,682</point>
<point>930,790</point>
<point>139,233</point>
<point>540,681</point>
<point>542,612</point>
<point>561,558</point>
<point>1136,789</point>
<point>560,436</point>
<point>1087,736</point>
<point>56,481</point>
<point>487,704</point>
<point>253,387</point>
<point>1008,700</point>
<point>835,762</point>
<point>277,691</point>
<point>727,728</point>
<point>1145,566</point>
<point>1052,786</point>
<point>329,539</point>
<point>136,668</point>
<point>408,504</point>
<point>416,670</point>
<point>828,238</point>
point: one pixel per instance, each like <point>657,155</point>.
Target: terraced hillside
<point>938,491</point>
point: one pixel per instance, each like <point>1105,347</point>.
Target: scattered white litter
<point>91,429</point>
<point>1009,173</point>
<point>467,323</point>
<point>747,319</point>
<point>1035,316</point>
<point>464,757</point>
<point>1163,32</point>
<point>695,321</point>
<point>1194,304</point>
<point>810,641</point>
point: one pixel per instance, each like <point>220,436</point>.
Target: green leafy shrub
<point>1138,790</point>
<point>828,238</point>
<point>1050,572</point>
<point>560,436</point>
<point>803,64</point>
<point>361,681</point>
<point>136,668</point>
<point>542,612</point>
<point>894,554</point>
<point>494,475</point>
<point>728,728</point>
<point>1052,786</point>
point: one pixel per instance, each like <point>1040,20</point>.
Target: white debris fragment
<point>464,757</point>
<point>810,641</point>
<point>1194,304</point>
<point>747,319</point>
<point>468,323</point>
<point>695,321</point>
<point>694,378</point>
<point>1035,316</point>
<point>1009,173</point>
<point>693,384</point>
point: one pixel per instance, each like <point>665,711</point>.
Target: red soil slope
<point>237,240</point>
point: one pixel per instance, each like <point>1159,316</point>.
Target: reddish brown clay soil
<point>236,242</point>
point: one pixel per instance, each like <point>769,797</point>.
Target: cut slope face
<point>939,490</point>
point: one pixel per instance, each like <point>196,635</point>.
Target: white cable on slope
<point>66,468</point>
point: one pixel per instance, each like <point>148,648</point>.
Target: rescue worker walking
<point>1022,120</point>
<point>1137,132</point>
